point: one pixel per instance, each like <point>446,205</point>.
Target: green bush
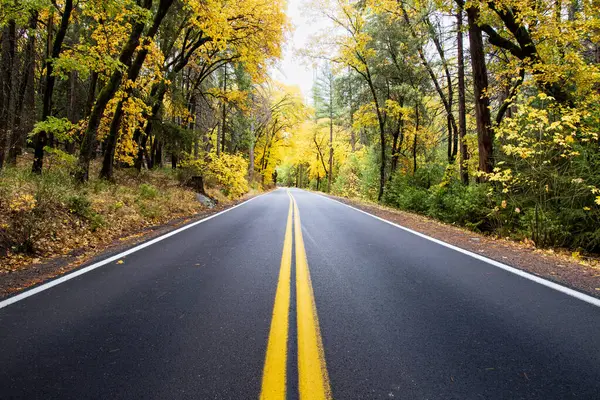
<point>449,202</point>
<point>80,205</point>
<point>405,196</point>
<point>456,203</point>
<point>147,191</point>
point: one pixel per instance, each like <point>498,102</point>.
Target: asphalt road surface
<point>293,295</point>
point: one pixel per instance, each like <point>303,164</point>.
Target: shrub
<point>448,201</point>
<point>51,214</point>
<point>358,177</point>
<point>18,232</point>
<point>227,172</point>
<point>81,206</point>
<point>456,203</point>
<point>147,191</point>
<point>401,194</point>
<point>348,183</point>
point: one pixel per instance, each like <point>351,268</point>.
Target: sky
<point>293,69</point>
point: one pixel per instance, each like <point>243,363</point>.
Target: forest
<point>484,114</point>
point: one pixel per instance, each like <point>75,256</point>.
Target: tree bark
<point>6,85</point>
<point>72,107</point>
<point>26,93</point>
<point>251,153</point>
<point>19,131</point>
<point>351,110</point>
<point>42,138</point>
<point>89,104</point>
<point>381,124</point>
<point>224,110</point>
<point>157,94</point>
<point>173,160</point>
<point>414,147</point>
<point>330,177</point>
<point>485,134</point>
<point>397,139</point>
<point>462,113</point>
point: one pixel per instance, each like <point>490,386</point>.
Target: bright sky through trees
<point>293,69</point>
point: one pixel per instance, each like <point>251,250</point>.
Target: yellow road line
<point>274,372</point>
<point>313,380</point>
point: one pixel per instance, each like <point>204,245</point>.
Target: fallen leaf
<point>120,262</point>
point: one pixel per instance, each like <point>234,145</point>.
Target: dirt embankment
<point>30,270</point>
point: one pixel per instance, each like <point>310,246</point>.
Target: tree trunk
<point>394,155</point>
<point>381,124</point>
<point>480,86</point>
<point>382,165</point>
<point>330,177</point>
<point>72,108</point>
<point>158,93</point>
<point>42,138</point>
<point>158,157</point>
<point>398,138</point>
<point>414,149</point>
<point>89,104</point>
<point>6,85</point>
<point>153,150</point>
<point>23,125</point>
<point>462,113</point>
<point>251,152</point>
<point>224,111</point>
<point>351,110</point>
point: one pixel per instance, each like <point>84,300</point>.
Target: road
<point>295,295</point>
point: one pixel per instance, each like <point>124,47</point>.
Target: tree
<point>325,105</point>
<point>108,92</point>
<point>132,75</point>
<point>42,137</point>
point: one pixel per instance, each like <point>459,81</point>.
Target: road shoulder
<point>555,266</point>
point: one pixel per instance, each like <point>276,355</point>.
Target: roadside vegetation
<point>479,114</point>
<point>122,114</point>
<point>115,115</point>
<point>49,214</point>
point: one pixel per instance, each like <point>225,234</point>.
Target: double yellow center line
<point>313,380</point>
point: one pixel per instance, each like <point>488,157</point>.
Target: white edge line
<point>568,291</point>
<point>64,278</point>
